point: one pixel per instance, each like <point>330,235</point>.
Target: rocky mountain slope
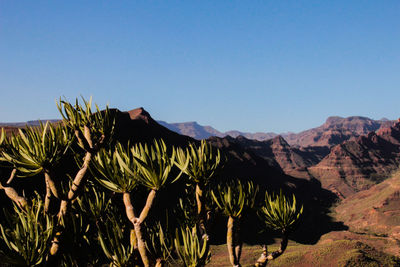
<point>192,129</point>
<point>374,211</point>
<point>278,153</point>
<point>359,163</point>
<point>197,131</point>
<point>334,131</point>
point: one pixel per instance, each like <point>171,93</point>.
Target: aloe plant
<point>94,202</point>
<point>200,164</point>
<point>233,198</point>
<point>192,251</point>
<point>27,237</point>
<point>92,131</point>
<point>279,214</point>
<point>123,169</point>
<point>115,242</point>
<point>114,169</point>
<point>39,151</point>
<point>160,242</point>
<point>154,165</point>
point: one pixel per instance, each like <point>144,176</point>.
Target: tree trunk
<point>229,241</point>
<point>130,213</point>
<point>50,189</point>
<point>265,257</point>
<point>133,239</point>
<point>76,185</point>
<point>13,195</point>
<point>237,240</point>
<point>50,183</point>
<point>147,207</point>
<point>201,211</point>
<point>79,178</point>
<point>160,263</point>
<point>47,197</point>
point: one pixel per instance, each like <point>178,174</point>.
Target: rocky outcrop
<point>279,154</point>
<point>335,131</point>
<point>359,163</point>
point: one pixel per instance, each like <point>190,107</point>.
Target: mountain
<point>361,162</point>
<point>335,131</point>
<point>242,163</point>
<point>374,211</point>
<point>317,175</point>
<point>23,124</point>
<point>192,129</point>
<point>197,131</point>
<point>279,154</point>
<point>256,136</point>
<point>138,126</point>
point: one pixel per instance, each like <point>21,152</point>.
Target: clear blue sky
<point>246,65</point>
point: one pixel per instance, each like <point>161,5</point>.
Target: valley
<point>344,172</point>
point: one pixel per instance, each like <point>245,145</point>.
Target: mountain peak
<point>139,113</point>
<point>333,119</point>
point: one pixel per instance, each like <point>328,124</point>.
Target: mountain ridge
<point>334,131</point>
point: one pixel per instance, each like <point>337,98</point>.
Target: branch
<point>265,257</point>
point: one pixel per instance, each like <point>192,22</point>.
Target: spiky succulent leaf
<point>94,202</point>
<point>192,251</point>
<point>199,163</point>
<point>279,213</point>
<point>154,164</point>
<point>115,242</point>
<point>160,241</point>
<point>27,239</point>
<point>234,196</point>
<point>2,137</point>
<point>37,148</point>
<point>82,120</point>
<point>115,169</point>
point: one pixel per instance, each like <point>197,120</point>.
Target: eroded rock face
<point>374,211</point>
<point>278,153</point>
<point>335,131</point>
<point>359,163</point>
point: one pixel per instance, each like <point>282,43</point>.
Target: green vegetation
<point>280,214</point>
<point>142,204</point>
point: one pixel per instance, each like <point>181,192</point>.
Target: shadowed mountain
<point>359,163</point>
<point>138,126</point>
<point>279,154</point>
<point>244,163</point>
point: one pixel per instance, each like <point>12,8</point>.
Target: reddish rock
<point>335,131</point>
<point>359,163</point>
